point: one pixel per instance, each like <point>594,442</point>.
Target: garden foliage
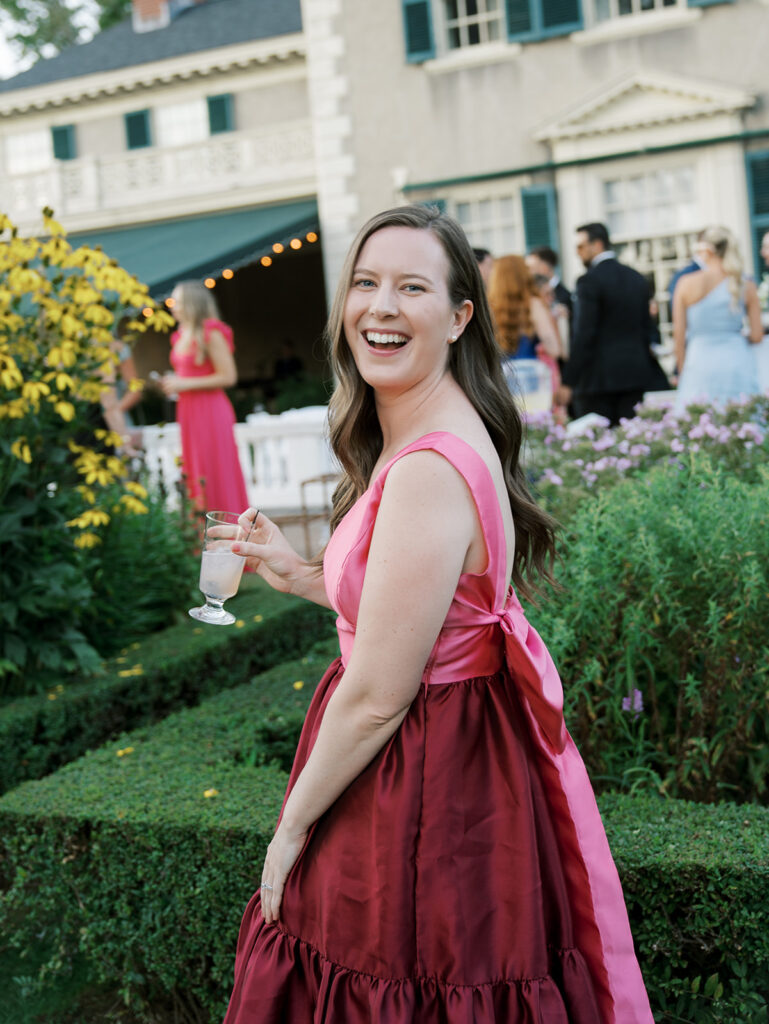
<point>62,479</point>
<point>138,859</point>
<point>660,632</point>
<point>567,469</point>
<point>177,668</point>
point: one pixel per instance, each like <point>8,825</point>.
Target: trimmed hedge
<point>696,883</point>
<point>165,672</point>
<point>122,861</point>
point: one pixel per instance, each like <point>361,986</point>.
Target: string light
<point>209,282</point>
<point>266,261</point>
<point>278,247</point>
<point>295,243</point>
<point>311,236</point>
<point>147,311</point>
<point>228,274</point>
<point>170,302</point>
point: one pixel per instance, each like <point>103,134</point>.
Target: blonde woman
<point>715,357</point>
<point>202,358</point>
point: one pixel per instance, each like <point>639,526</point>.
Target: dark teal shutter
<point>560,16</point>
<point>528,20</point>
<point>757,166</point>
<point>518,18</point>
<point>220,117</point>
<point>707,3</point>
<point>540,219</point>
<point>137,129</point>
<point>64,147</point>
<point>418,29</point>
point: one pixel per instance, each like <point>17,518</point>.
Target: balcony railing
<point>248,162</point>
<point>278,454</point>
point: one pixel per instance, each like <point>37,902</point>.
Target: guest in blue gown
<point>714,351</point>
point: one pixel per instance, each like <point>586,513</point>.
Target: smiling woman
<point>439,857</point>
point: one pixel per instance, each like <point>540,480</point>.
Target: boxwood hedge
<point>137,860</point>
<point>167,671</point>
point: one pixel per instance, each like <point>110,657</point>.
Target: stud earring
<point>453,337</point>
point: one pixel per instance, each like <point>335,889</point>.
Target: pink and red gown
<point>210,462</point>
<point>464,876</point>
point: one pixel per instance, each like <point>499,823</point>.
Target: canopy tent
<point>164,252</point>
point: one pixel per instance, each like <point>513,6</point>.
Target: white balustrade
<point>277,454</point>
<point>140,177</point>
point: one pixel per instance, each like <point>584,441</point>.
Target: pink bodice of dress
<point>470,643</point>
<point>184,362</point>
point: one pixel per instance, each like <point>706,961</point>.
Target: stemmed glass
<point>220,567</point>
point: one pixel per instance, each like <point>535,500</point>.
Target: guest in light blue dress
<point>716,358</point>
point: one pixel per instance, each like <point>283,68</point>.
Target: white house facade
<point>195,138</point>
<point>527,118</point>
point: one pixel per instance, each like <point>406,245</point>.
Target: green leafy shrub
<point>62,477</point>
<point>660,633</point>
<point>696,884</point>
<point>138,859</point>
<point>142,573</point>
<point>174,669</point>
<point>568,468</point>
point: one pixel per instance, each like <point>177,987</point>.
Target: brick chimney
<point>152,14</point>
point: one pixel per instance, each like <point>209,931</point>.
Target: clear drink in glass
<point>220,567</point>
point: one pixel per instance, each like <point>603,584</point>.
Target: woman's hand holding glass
<point>269,554</point>
<point>220,568</point>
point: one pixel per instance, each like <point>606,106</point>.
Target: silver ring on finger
<point>266,885</point>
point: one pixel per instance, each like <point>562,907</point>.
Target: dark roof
<point>202,27</point>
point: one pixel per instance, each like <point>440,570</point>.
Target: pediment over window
<point>646,100</point>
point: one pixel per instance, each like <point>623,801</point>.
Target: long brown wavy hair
<point>511,287</point>
<point>474,361</point>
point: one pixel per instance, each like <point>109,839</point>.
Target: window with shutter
<point>418,29</point>
<point>220,117</point>
<point>540,220</point>
<point>539,19</point>
<point>518,18</point>
<point>137,129</point>
<point>63,138</point>
<point>758,198</point>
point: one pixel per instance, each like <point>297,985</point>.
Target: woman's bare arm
<point>270,555</point>
<point>679,322</point>
<point>425,525</point>
<point>225,374</point>
<point>753,307</point>
<point>545,327</point>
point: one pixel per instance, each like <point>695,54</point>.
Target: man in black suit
<point>610,364</point>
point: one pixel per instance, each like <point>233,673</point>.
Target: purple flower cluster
<point>633,702</point>
<point>560,456</point>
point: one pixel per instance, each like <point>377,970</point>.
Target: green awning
<point>167,251</point>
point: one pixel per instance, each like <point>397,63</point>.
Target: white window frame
<point>599,12</point>
<point>182,124</point>
<point>497,226</point>
<point>483,20</point>
<point>29,152</point>
<point>656,250</point>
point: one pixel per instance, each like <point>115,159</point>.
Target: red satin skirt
<point>431,891</point>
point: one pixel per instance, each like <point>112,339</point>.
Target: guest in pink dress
<point>202,358</point>
<point>439,858</point>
